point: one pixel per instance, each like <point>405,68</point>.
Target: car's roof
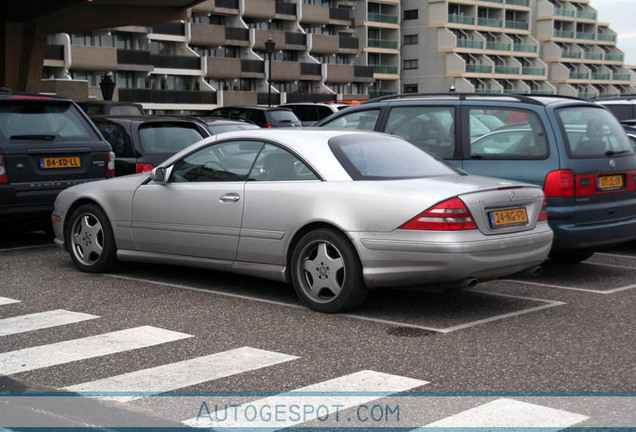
<point>145,118</point>
<point>223,121</point>
<point>32,97</point>
<point>259,108</point>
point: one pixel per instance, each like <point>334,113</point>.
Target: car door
<point>198,211</point>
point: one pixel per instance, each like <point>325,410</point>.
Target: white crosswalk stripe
<point>184,373</point>
<point>510,413</point>
<point>79,349</point>
<point>363,387</point>
<point>6,301</point>
<point>41,320</point>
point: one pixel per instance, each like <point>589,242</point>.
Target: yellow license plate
<point>501,218</point>
<point>610,182</point>
<point>60,162</point>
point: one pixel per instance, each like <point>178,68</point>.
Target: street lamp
<point>107,86</point>
<point>270,46</point>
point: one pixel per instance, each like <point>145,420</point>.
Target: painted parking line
<point>182,374</point>
<point>562,287</point>
<point>41,320</point>
<point>363,387</point>
<point>546,304</point>
<point>6,301</point>
<point>510,413</point>
<point>20,248</point>
<point>615,255</point>
<point>609,265</point>
<point>80,349</point>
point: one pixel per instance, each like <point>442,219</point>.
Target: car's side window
<point>364,120</point>
<point>118,139</point>
<point>223,162</point>
<point>277,164</point>
<point>429,128</point>
<point>506,134</point>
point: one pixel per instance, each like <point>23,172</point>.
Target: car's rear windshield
<point>40,119</point>
<point>383,157</point>
<point>593,132</point>
<point>283,115</point>
<point>168,137</point>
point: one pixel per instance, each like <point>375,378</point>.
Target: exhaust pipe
<point>463,284</point>
<point>533,271</point>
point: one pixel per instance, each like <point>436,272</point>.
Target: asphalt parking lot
<point>566,332</point>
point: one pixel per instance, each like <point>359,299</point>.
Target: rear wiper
<point>612,152</point>
<point>33,137</point>
<point>476,156</point>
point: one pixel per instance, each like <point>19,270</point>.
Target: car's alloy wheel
<point>326,272</point>
<point>90,237</point>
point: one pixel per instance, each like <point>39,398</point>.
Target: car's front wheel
<point>326,272</point>
<point>90,239</point>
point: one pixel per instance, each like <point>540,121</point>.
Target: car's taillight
<point>110,167</point>
<point>4,176</point>
<point>267,126</point>
<point>631,180</point>
<point>449,215</point>
<point>144,167</point>
<point>544,210</point>
<point>559,183</point>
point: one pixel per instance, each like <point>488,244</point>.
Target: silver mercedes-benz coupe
<point>333,212</point>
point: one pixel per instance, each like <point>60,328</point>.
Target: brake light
<point>449,215</point>
<point>110,166</point>
<point>267,126</point>
<point>144,167</point>
<point>559,183</point>
<point>4,176</point>
<point>544,210</point>
<point>631,180</point>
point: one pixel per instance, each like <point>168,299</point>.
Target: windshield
<point>166,137</point>
<point>43,120</point>
<point>366,157</point>
<point>593,132</point>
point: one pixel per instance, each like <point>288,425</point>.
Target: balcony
<point>351,43</point>
<point>339,14</point>
<point>314,69</point>
<point>621,77</point>
<point>167,96</point>
<point>513,91</point>
<point>487,91</point>
<point>543,92</point>
<point>493,1</point>
<point>169,28</point>
<point>175,62</point>
<point>285,8</point>
<point>461,19</point>
<point>252,66</point>
<point>533,71</point>
<point>517,25</point>
<point>584,95</point>
<point>477,68</point>
<point>55,52</point>
<point>586,15</point>
<point>237,34</point>
<point>606,37</point>
<point>469,43</point>
<point>498,46</point>
<point>585,36</point>
<point>579,75</point>
<point>518,2</point>
<point>525,48</point>
<point>295,39</point>
<point>508,70</point>
<point>489,22</point>
<point>571,54</point>
<point>382,18</point>
<point>379,69</point>
<point>377,93</point>
<point>564,34</point>
<point>363,73</point>
<point>564,12</point>
<point>133,57</point>
<point>382,43</point>
<point>601,76</point>
<point>226,4</point>
<point>614,57</point>
<point>593,56</point>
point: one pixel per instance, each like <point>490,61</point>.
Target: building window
<point>410,88</point>
<point>410,14</point>
<point>410,39</point>
<point>410,64</point>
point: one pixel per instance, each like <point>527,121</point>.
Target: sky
<point>620,15</point>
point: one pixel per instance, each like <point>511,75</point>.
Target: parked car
<point>630,129</point>
<point>142,142</point>
<point>217,126</point>
<point>332,212</point>
<point>309,113</point>
<point>623,107</point>
<point>262,116</point>
<point>576,150</point>
<point>46,145</point>
<point>112,108</point>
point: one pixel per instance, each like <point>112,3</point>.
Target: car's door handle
<point>230,197</point>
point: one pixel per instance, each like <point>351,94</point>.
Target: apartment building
<point>219,57</point>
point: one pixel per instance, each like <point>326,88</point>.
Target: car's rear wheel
<point>326,272</point>
<point>90,239</point>
<point>572,256</point>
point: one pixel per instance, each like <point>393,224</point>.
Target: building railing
<point>621,77</point>
<point>175,62</point>
<point>593,56</point>
<point>383,18</point>
<point>167,96</point>
<point>585,36</point>
<point>227,4</point>
<point>533,71</point>
<point>518,2</point>
<point>564,34</point>
<point>237,33</point>
<point>311,69</point>
<point>461,19</point>
<point>477,68</point>
<point>584,95</point>
<point>525,48</point>
<point>363,71</point>
<point>285,8</point>
<point>493,1</point>
<point>489,22</point>
<point>498,46</point>
<point>564,12</point>
<point>510,70</point>
<point>380,69</point>
<point>585,15</point>
<point>606,37</point>
<point>376,93</point>
<point>295,38</point>
<point>513,91</point>
<point>518,25</point>
<point>601,76</point>
<point>579,75</point>
<point>54,52</point>
<point>543,92</point>
<point>133,57</point>
<point>382,43</point>
<point>614,57</point>
<point>349,43</point>
<point>252,66</point>
<point>469,43</point>
<point>572,54</point>
<point>170,28</point>
<point>487,90</point>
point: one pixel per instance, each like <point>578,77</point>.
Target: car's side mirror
<point>159,175</point>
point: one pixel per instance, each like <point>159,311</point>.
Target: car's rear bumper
<point>400,262</point>
<point>568,236</point>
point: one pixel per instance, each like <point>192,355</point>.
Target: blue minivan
<point>576,150</point>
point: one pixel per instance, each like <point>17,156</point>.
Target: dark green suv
<point>576,150</point>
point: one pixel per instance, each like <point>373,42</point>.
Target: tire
<point>572,256</point>
<point>326,272</point>
<point>90,239</point>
